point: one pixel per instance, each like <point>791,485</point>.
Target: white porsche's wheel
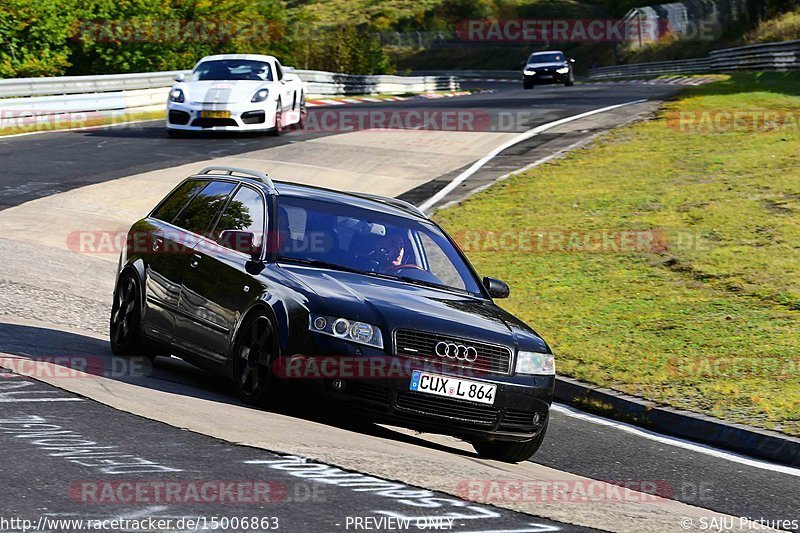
<point>279,127</point>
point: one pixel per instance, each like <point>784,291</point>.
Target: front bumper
<point>519,412</point>
<point>545,77</point>
<point>243,117</point>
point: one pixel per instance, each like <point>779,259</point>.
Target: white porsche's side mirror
<point>180,77</point>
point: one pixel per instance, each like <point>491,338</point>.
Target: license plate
<point>215,114</point>
<point>450,387</point>
<point>546,76</point>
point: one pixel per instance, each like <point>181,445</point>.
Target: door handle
<point>194,261</point>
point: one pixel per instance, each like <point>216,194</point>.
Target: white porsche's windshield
<point>232,69</point>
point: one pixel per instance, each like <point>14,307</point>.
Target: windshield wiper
<point>415,281</point>
<point>323,264</point>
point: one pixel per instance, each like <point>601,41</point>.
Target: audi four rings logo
<point>456,351</point>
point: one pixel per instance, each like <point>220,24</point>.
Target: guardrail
<point>768,56</point>
<point>148,90</point>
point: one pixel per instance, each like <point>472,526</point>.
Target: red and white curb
<point>369,99</point>
<point>657,81</point>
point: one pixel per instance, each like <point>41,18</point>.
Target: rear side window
<point>176,201</point>
<point>200,213</point>
<point>245,212</point>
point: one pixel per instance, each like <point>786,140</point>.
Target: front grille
<point>449,408</point>
<point>254,117</point>
<point>422,345</point>
<point>212,122</point>
<point>368,392</point>
<point>178,117</point>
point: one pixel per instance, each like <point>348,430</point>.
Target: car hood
<point>223,92</point>
<point>551,64</point>
<point>396,304</point>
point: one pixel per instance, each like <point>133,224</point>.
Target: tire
<point>253,355</point>
<point>569,84</point>
<point>124,325</point>
<point>279,127</point>
<point>301,123</point>
<point>510,452</point>
<point>527,85</point>
<point>174,134</point>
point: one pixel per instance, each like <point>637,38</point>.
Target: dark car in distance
<point>254,278</point>
<point>547,67</point>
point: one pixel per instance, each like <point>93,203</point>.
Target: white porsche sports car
<point>236,92</point>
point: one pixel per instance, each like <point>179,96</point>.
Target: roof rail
<point>230,171</point>
<point>394,202</point>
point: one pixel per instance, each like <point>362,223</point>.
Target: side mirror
<point>496,288</point>
<point>571,60</point>
<point>241,241</point>
<point>180,77</point>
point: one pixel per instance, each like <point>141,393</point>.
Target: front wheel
<point>510,452</point>
<point>527,85</point>
<point>124,331</point>
<point>278,119</point>
<point>252,365</point>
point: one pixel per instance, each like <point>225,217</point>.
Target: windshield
<point>547,57</point>
<point>232,69</point>
<point>370,242</point>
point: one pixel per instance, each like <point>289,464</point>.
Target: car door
<point>170,255</point>
<point>219,283</point>
<point>285,88</point>
<point>164,257</point>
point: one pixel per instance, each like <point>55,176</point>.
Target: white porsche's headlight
<point>350,330</point>
<point>563,70</point>
<point>260,95</point>
<point>536,363</point>
<point>528,72</point>
<point>176,95</point>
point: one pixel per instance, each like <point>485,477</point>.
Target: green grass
<point>712,322</point>
<point>86,120</point>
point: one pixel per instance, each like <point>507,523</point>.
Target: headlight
<point>529,72</point>
<point>350,330</point>
<point>176,95</point>
<point>260,95</point>
<point>536,363</point>
<point>563,70</point>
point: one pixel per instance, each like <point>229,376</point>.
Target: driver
<point>385,252</point>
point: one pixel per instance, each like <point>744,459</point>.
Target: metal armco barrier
<point>73,94</point>
<point>768,56</point>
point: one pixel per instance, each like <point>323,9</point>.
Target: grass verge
<point>698,305</point>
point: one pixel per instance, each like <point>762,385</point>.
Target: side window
<point>245,212</point>
<point>200,213</point>
<point>278,71</point>
<point>172,205</point>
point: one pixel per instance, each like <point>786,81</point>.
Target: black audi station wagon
<point>360,296</point>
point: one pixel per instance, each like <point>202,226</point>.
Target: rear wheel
<point>510,452</point>
<point>124,331</point>
<point>301,122</point>
<point>252,365</point>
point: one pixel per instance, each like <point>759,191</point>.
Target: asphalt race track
<point>74,440</point>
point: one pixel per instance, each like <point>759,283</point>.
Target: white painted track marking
<point>458,180</point>
<point>677,442</point>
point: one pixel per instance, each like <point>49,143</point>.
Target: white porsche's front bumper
<point>187,116</point>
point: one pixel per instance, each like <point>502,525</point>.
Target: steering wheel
<point>398,268</point>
